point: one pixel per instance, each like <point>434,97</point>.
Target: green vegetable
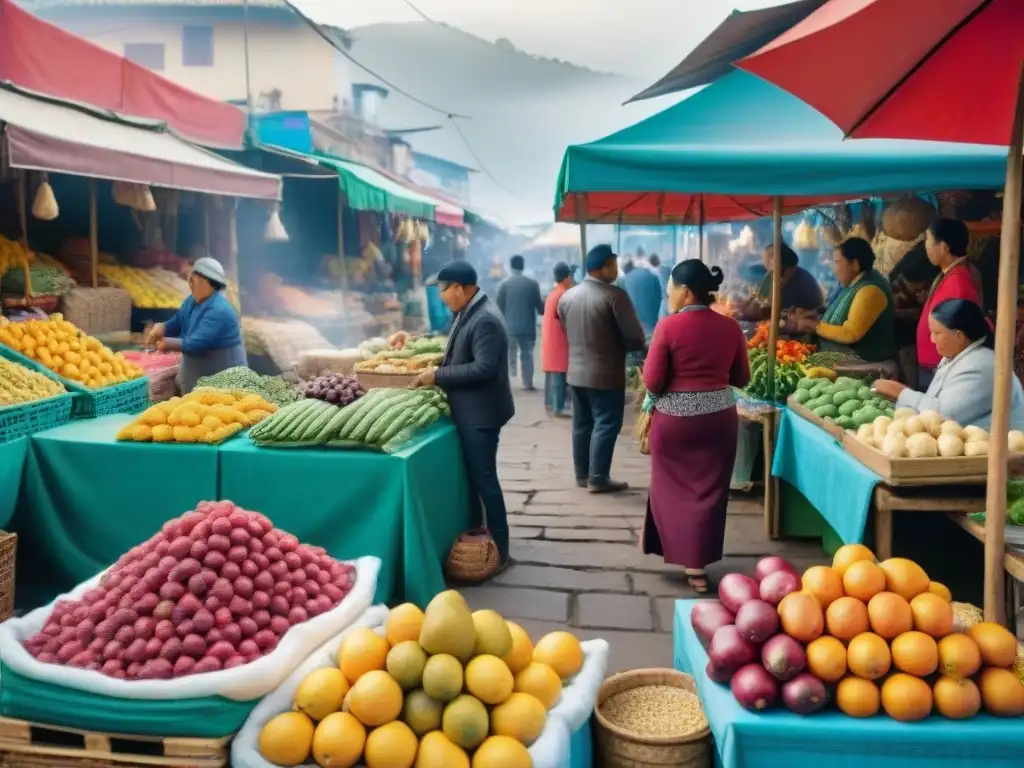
<point>807,384</point>
<point>273,389</point>
<point>843,396</point>
<point>846,422</point>
<point>849,407</point>
<point>865,393</point>
<point>845,382</point>
<point>801,396</point>
<point>823,411</point>
<point>867,414</point>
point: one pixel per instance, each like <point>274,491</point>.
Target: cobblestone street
<point>575,558</point>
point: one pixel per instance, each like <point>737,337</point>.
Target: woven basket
<point>8,549</point>
<point>371,380</point>
<point>473,557</point>
<point>618,748</point>
<point>642,433</point>
<point>907,218</point>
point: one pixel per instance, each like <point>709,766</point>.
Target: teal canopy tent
<point>723,154</point>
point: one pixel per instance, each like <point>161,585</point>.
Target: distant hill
<point>525,109</point>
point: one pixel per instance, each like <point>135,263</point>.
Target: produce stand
<point>1013,563</point>
<point>781,739</point>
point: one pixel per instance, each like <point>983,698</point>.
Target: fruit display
<point>20,385</point>
<point>907,434</point>
<point>273,389</point>
<point>65,350</point>
<point>13,255</point>
<point>382,419</point>
<point>848,402</point>
<point>207,416</point>
<point>869,636</point>
<point>402,345</point>
<point>334,388</point>
<point>214,589</point>
<point>446,687</point>
<point>148,288</point>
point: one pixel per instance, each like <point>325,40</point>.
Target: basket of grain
<point>651,717</point>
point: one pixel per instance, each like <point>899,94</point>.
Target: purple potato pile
<point>335,388</point>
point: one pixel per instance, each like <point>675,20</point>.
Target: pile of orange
<point>884,633</point>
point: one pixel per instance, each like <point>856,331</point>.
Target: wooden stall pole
<point>581,218</point>
<point>233,249</point>
<point>22,193</point>
<point>341,244</point>
<point>1006,318</point>
<point>675,244</point>
<point>207,201</point>
<point>771,420</point>
<point>94,235</point>
<point>700,229</point>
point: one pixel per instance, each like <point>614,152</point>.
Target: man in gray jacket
<point>520,302</point>
<point>602,327</point>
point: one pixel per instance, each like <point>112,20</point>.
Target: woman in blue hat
<point>206,329</point>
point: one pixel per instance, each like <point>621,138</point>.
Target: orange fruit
<point>906,698</point>
<point>915,653</point>
<point>941,590</point>
<point>801,616</point>
<point>868,656</point>
<point>826,659</point>
<point>997,644</point>
<point>932,615</point>
<point>956,698</point>
<point>904,577</point>
<point>1001,692</point>
<point>857,697</point>
<point>361,652</point>
<point>848,554</point>
<point>825,584</point>
<point>890,615</point>
<point>863,580</point>
<point>958,656</point>
<point>846,618</point>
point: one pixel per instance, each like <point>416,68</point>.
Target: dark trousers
<point>480,449</point>
<point>596,424</point>
<point>924,378</point>
<point>525,343</point>
<point>554,392</point>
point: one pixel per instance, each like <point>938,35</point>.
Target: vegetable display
<point>334,388</point>
<point>438,687</point>
<point>273,389</point>
<point>20,385</point>
<point>850,403</point>
<point>44,280</point>
<point>787,377</point>
<point>400,361</point>
<point>216,588</point>
<point>874,637</point>
<point>207,416</point>
<point>148,288</point>
<point>907,434</point>
<point>786,350</point>
<point>65,350</point>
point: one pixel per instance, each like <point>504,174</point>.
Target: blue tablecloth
<point>12,462</point>
<point>780,739</point>
<point>840,487</point>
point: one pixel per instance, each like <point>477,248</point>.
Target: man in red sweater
<point>946,243</point>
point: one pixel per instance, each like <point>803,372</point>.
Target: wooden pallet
<point>25,744</point>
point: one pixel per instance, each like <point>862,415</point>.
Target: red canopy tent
<point>41,57</point>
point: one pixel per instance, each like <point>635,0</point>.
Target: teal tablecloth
<point>12,462</point>
<point>780,739</point>
<point>840,487</point>
<point>86,499</point>
<point>406,508</point>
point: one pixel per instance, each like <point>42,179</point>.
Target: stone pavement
<point>575,561</point>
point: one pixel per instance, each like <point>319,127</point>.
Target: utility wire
<point>418,12</point>
<point>479,161</point>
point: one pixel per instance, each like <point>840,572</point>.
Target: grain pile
<point>655,711</point>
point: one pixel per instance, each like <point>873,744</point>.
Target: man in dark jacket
<point>474,376</point>
<point>601,326</point>
<point>520,302</point>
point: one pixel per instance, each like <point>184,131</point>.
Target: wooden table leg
<point>771,484</point>
<point>883,533</point>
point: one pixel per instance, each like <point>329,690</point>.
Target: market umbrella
<point>946,71</point>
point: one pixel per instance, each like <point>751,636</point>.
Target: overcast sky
<point>635,37</point>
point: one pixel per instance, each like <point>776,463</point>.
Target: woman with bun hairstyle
<point>962,387</point>
<point>695,357</point>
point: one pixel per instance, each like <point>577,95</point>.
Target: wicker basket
<point>473,557</point>
<point>372,379</point>
<point>618,748</point>
<point>907,218</point>
<point>8,549</point>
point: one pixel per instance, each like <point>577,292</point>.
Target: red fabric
<point>554,345</point>
<point>40,56</point>
<point>960,282</point>
<point>696,351</point>
<point>849,59</point>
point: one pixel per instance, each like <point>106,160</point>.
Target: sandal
<point>697,578</point>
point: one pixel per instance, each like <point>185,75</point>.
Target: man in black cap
<point>474,376</point>
<point>602,327</point>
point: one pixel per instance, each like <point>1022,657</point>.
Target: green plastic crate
<point>27,418</point>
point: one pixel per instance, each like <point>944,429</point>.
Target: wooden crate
<point>958,470</point>
<point>33,745</point>
<point>806,413</point>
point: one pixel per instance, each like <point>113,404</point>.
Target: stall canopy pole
<point>22,193</point>
<point>233,247</point>
<point>700,230</point>
<point>581,217</point>
<point>343,272</point>
<point>675,244</point>
<point>776,309</point>
<point>94,235</point>
<point>207,242</point>
<point>1006,317</point>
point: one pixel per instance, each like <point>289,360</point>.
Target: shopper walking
<point>602,327</point>
<point>554,346</point>
<point>695,357</point>
<point>520,302</point>
<point>644,290</point>
<point>474,376</point>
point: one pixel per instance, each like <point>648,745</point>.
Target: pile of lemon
<point>204,415</point>
<point>65,350</point>
<point>442,689</point>
<point>144,287</point>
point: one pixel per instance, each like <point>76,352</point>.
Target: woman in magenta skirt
<point>694,359</point>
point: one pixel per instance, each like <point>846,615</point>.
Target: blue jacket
<point>644,289</point>
<point>520,302</point>
<point>213,324</point>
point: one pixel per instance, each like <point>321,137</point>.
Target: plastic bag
<point>44,206</point>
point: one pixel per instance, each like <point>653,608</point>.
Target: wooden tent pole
<point>581,218</point>
<point>700,230</point>
<point>771,421</point>
<point>1006,319</point>
<point>22,193</point>
<point>94,237</point>
<point>233,248</point>
<point>341,243</point>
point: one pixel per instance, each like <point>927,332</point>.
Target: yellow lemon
<point>489,679</point>
<point>502,752</point>
<point>338,741</point>
<point>541,682</point>
<point>393,745</point>
<point>521,716</point>
<point>562,652</point>
<point>521,655</point>
<point>287,739</point>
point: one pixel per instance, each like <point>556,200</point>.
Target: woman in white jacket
<point>962,387</point>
